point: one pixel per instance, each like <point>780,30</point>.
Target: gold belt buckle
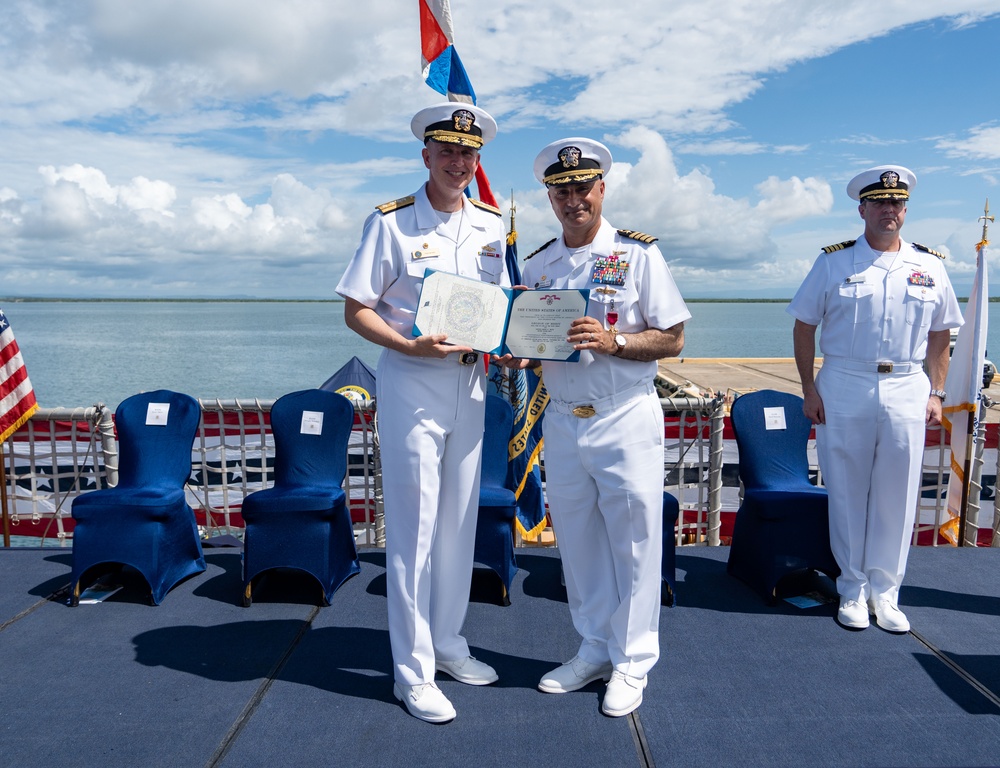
<point>584,411</point>
<point>885,367</point>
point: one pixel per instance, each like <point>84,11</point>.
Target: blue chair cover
<point>782,526</point>
<point>668,563</point>
<point>144,521</point>
<point>497,502</point>
<point>302,521</point>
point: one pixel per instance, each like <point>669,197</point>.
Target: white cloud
<point>141,138</point>
<point>143,194</point>
<point>785,200</point>
<point>696,224</point>
<point>983,143</point>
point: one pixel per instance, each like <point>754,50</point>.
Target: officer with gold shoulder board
<point>604,426</point>
<point>431,400</point>
<point>886,306</point>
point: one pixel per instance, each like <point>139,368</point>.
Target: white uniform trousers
<point>604,484</point>
<point>871,454</point>
<point>430,426</point>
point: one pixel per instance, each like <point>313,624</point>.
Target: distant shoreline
<point>54,300</point>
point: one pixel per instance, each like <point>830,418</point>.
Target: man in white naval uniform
<point>885,305</point>
<point>431,401</point>
<point>604,426</point>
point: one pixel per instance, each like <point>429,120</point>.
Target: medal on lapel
<point>612,317</point>
<point>609,270</point>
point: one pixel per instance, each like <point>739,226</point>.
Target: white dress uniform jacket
<point>873,308</point>
<point>430,424</point>
<point>604,474</point>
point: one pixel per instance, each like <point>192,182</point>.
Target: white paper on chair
<point>312,423</point>
<point>156,414</point>
<point>774,418</point>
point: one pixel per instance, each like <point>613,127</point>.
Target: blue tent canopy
<point>355,380</point>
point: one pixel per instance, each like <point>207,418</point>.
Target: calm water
<point>81,353</point>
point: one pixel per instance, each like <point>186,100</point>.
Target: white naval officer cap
<point>883,182</point>
<point>454,122</point>
<point>572,161</point>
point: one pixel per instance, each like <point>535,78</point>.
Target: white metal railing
<point>61,453</point>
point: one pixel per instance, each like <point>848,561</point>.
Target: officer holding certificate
<point>604,426</point>
<point>431,401</point>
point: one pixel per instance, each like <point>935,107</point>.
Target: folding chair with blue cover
<point>303,521</point>
<point>144,521</point>
<point>782,525</point>
<point>497,502</point>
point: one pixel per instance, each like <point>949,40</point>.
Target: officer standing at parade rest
<point>886,306</point>
<point>604,426</point>
<point>431,402</point>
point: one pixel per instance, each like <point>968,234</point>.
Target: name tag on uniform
<point>425,253</point>
<point>855,279</point>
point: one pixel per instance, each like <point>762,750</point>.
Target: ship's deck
<point>200,680</point>
<point>734,376</point>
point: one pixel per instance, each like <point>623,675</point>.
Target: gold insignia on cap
<point>570,157</point>
<point>464,120</point>
<point>890,179</point>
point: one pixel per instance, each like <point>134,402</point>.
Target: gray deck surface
<point>202,681</point>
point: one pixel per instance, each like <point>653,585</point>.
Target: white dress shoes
<point>425,702</point>
<point>468,671</point>
<point>624,694</point>
<point>852,614</point>
<point>888,616</point>
<point>574,675</point>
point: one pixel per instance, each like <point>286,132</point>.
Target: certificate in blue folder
<point>489,318</point>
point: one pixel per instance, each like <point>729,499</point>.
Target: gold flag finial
<point>986,219</point>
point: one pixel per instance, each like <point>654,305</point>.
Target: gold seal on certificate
<point>498,320</point>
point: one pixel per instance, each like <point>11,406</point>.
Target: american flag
<point>17,398</point>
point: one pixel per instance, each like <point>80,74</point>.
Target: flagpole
<point>966,481</point>
<point>970,421</point>
<point>3,502</point>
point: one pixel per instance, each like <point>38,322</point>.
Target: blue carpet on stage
<point>200,680</point>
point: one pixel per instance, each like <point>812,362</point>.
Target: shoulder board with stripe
<point>485,206</point>
<point>642,237</point>
<point>925,249</point>
<point>395,205</point>
<point>539,250</point>
<point>839,246</point>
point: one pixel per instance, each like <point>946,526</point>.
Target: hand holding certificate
<point>498,320</point>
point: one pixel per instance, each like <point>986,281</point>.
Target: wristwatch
<point>939,393</point>
<point>620,342</point>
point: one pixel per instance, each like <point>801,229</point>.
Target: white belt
<point>584,409</point>
<point>877,366</point>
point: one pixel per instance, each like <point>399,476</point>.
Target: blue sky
<point>215,148</point>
